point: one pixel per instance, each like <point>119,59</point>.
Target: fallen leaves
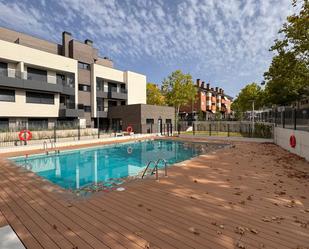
<point>194,230</point>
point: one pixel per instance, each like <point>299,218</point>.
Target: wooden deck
<point>250,196</point>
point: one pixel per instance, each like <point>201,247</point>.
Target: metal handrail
<point>44,145</point>
<point>165,165</point>
<point>155,168</point>
<point>148,164</point>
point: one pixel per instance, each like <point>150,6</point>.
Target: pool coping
<point>71,195</point>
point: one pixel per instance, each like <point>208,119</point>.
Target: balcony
<point>101,93</point>
<point>17,80</point>
<point>101,112</point>
<point>69,110</point>
<point>114,94</point>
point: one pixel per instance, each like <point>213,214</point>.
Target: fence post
<point>151,128</point>
<point>249,130</point>
<point>295,113</point>
<point>78,132</point>
<point>193,127</point>
<point>55,132</point>
<point>228,130</point>
<point>283,119</point>
<point>178,127</point>
<point>171,126</point>
<point>210,129</point>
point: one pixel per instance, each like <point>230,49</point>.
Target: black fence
<point>43,131</point>
<point>226,128</point>
<point>297,119</point>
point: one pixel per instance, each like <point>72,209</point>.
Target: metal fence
<point>297,119</point>
<point>44,131</point>
<point>226,128</point>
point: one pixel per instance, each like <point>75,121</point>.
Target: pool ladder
<point>156,168</point>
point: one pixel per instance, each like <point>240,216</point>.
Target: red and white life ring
<point>292,141</point>
<point>129,129</point>
<point>25,135</point>
<point>129,150</point>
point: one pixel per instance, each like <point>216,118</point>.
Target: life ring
<point>24,137</point>
<point>292,141</point>
<point>129,129</point>
<point>129,150</point>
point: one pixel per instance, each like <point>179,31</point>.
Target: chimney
<point>212,89</point>
<point>203,84</point>
<point>207,86</point>
<point>220,90</point>
<point>89,42</point>
<point>198,82</point>
<point>66,38</point>
<point>217,88</point>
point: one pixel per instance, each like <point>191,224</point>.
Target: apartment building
<point>208,101</point>
<point>42,81</point>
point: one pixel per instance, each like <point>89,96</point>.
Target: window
<point>149,121</point>
<point>60,79</point>
<point>84,88</point>
<point>123,102</point>
<point>112,87</point>
<point>168,121</point>
<point>82,65</point>
<point>100,84</point>
<point>112,103</point>
<point>40,98</point>
<point>7,95</point>
<point>87,108</point>
<point>36,74</point>
<point>3,69</point>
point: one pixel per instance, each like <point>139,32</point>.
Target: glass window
<point>149,121</point>
<point>100,84</point>
<point>84,88</point>
<point>40,98</point>
<point>83,65</point>
<point>36,74</point>
<point>7,95</point>
<point>87,108</point>
<point>3,69</point>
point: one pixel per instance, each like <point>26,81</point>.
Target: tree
<point>179,90</point>
<point>154,95</point>
<point>287,79</point>
<point>243,101</point>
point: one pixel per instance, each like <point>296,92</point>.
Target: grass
<point>217,133</point>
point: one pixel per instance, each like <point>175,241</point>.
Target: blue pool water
<point>79,168</point>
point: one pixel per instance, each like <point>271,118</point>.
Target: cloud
<point>212,39</point>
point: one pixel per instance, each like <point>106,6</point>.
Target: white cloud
<point>214,38</point>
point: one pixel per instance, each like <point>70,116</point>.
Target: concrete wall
<point>282,138</point>
<point>29,41</point>
<point>20,108</point>
<point>136,85</point>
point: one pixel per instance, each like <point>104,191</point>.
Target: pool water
<point>76,169</point>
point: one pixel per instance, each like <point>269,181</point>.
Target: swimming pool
<point>76,169</point>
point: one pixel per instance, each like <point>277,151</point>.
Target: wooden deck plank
<point>74,223</point>
<point>60,233</point>
<point>27,238</point>
<point>194,195</point>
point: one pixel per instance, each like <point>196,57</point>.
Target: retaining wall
<point>282,138</point>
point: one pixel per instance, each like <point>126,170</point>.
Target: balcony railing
<point>18,79</point>
<point>102,108</point>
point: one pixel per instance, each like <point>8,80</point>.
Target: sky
<point>222,42</point>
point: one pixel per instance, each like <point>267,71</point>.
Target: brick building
<point>208,101</point>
